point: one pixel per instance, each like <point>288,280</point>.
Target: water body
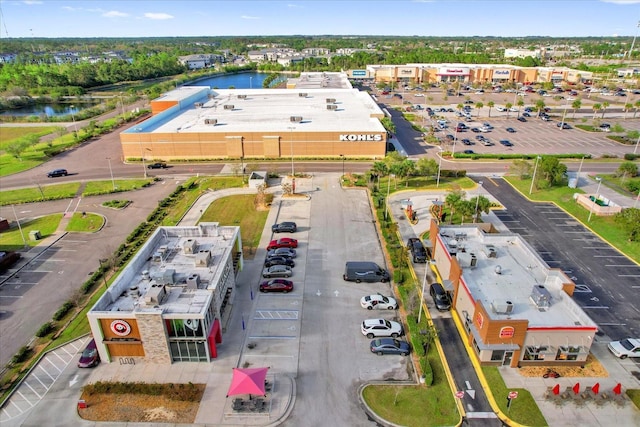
<point>239,81</point>
<point>49,110</point>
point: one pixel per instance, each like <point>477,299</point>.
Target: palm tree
<point>605,104</point>
<point>520,104</point>
<point>628,106</point>
<point>453,200</point>
<point>596,107</point>
<point>480,204</point>
<point>459,107</point>
<point>479,106</point>
<point>490,104</point>
<point>508,106</point>
<point>540,106</point>
<point>576,104</point>
<point>636,107</point>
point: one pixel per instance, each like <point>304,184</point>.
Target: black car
<point>476,130</point>
<point>158,165</point>
<point>469,152</point>
<point>57,172</point>
<point>440,297</point>
<point>467,141</point>
<point>418,251</point>
<point>511,130</point>
<point>526,114</point>
<point>279,260</point>
<point>480,137</point>
<point>521,119</point>
<point>284,227</point>
<point>563,125</point>
<point>506,143</point>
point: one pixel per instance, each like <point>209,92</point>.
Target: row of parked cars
<point>279,262</point>
<point>384,333</point>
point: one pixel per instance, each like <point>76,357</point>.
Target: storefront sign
<point>480,320</point>
<point>120,328</point>
<point>506,332</point>
<point>501,74</point>
<point>406,72</point>
<point>353,137</point>
<point>359,73</point>
<point>454,71</point>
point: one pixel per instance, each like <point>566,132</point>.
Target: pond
<point>50,110</point>
<point>249,80</point>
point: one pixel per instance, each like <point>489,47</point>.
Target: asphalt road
<point>607,282</point>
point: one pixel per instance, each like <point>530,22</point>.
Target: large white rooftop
<point>508,272</point>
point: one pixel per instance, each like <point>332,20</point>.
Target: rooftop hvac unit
<point>332,107</point>
<point>193,281</point>
<point>242,96</point>
<point>296,118</point>
<point>502,307</point>
<point>211,96</point>
<point>490,251</point>
<point>331,100</point>
<point>228,107</point>
<point>198,104</point>
<point>203,258</point>
<point>155,294</point>
<point>210,121</point>
<point>302,94</point>
<point>190,246</point>
<point>541,297</point>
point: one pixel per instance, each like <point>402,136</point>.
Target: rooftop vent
<point>211,96</point>
<point>210,121</point>
<point>198,104</point>
<point>498,269</point>
<point>332,107</point>
<point>229,107</point>
<point>331,100</point>
<point>242,96</point>
<point>502,307</point>
<point>203,258</point>
<point>296,118</point>
<point>302,94</point>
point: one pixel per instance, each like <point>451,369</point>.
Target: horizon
<point>55,19</point>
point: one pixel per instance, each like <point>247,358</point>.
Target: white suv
<point>372,328</point>
<point>629,347</point>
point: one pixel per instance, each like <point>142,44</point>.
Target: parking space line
<point>11,296</point>
<point>273,337</point>
<point>620,265</point>
<point>25,399</point>
<point>31,388</point>
<point>43,370</point>
<point>41,383</point>
<point>594,247</point>
<point>596,306</point>
<point>629,275</point>
<point>609,256</point>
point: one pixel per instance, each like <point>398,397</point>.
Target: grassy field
<point>88,223</point>
<point>10,134</point>
<point>605,227</point>
<point>12,239</point>
<point>43,192</point>
<point>105,187</point>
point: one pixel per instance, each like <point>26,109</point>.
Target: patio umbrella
<point>248,381</point>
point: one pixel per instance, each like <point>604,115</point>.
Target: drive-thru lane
<point>607,281</point>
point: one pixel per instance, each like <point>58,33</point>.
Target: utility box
<point>34,235</point>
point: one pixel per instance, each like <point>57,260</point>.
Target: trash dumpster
<point>34,235</point>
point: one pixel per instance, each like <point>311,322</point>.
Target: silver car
<point>277,271</point>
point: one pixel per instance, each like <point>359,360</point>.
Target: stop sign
<point>513,394</point>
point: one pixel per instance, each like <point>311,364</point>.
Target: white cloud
<point>291,5</point>
<point>69,8</point>
<point>32,2</point>
<point>621,1</point>
<point>158,16</point>
<point>115,14</point>
<point>250,17</point>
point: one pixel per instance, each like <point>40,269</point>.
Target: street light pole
<point>104,274</point>
<point>579,170</point>
<point>596,198</point>
<point>439,168</point>
<point>73,118</point>
<point>342,155</point>
<point>113,183</point>
<point>19,226</point>
<point>533,179</point>
<point>122,105</point>
<point>424,283</point>
<point>635,149</point>
<point>475,213</point>
<point>634,41</point>
<point>291,128</point>
<point>386,201</point>
<point>250,82</point>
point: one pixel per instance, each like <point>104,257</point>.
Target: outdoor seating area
<point>591,394</point>
<point>257,404</point>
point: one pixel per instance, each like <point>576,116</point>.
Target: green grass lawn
<point>239,211</point>
<point>605,227</point>
<point>9,134</point>
<point>33,156</point>
<point>89,223</point>
<point>105,187</point>
<point>12,239</point>
<point>43,192</point>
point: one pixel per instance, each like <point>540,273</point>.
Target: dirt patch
<point>592,368</point>
<point>138,408</point>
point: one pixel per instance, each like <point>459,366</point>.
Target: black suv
<point>284,227</point>
<point>279,260</point>
<point>418,252</point>
<point>158,165</point>
<point>57,172</point>
<point>440,297</point>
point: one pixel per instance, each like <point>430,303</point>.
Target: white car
<point>378,301</point>
<point>629,347</point>
<point>501,109</point>
<point>513,109</point>
<point>372,328</point>
<point>418,94</point>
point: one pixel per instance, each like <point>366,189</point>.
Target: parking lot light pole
<point>104,275</point>
<point>73,118</point>
<point>596,198</point>
<point>424,284</point>
<point>475,213</point>
<point>343,157</point>
<point>291,128</point>
<point>439,168</point>
<point>635,149</point>
<point>113,183</point>
<point>533,179</point>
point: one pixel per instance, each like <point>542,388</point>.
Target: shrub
<point>427,372</point>
<point>631,156</point>
<point>45,329</point>
<point>23,354</point>
<point>62,311</point>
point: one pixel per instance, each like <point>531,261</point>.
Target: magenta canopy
<point>248,381</point>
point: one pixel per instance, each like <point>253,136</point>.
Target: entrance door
<point>507,358</point>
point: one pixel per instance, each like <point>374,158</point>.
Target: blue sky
<point>147,18</point>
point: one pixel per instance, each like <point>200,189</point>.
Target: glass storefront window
<point>188,351</point>
<point>185,328</point>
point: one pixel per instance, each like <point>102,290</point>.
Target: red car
<point>285,242</point>
<point>276,285</point>
<point>90,356</point>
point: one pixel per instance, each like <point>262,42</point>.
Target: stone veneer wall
<point>154,338</point>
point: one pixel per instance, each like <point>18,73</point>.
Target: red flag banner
<point>576,388</point>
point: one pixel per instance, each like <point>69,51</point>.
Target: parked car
<point>381,328</point>
<point>285,252</point>
<point>506,143</point>
<point>522,119</point>
<point>501,109</point>
<point>480,137</point>
<point>277,271</point>
<point>284,242</point>
<point>510,130</point>
<point>418,251</point>
<point>276,285</point>
<point>382,346</point>
<point>285,227</point>
<point>57,172</point>
<point>440,297</point>
<point>469,152</point>
<point>279,260</point>
<point>467,141</point>
<point>157,165</point>
<point>526,114</point>
<point>629,347</point>
<point>513,109</point>
<point>8,259</point>
<point>605,127</point>
<point>475,130</point>
<point>90,356</point>
<point>563,125</point>
<point>378,301</point>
